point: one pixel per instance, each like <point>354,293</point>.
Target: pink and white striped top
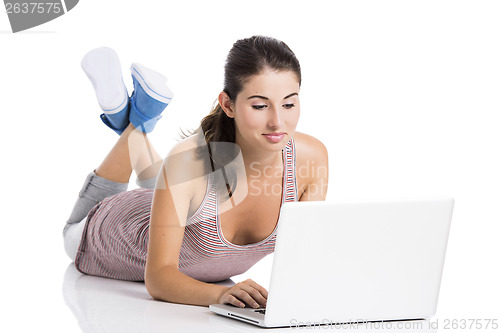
<point>114,242</point>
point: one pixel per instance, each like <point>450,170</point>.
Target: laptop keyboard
<point>263,311</point>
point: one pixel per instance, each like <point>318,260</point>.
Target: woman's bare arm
<point>164,281</point>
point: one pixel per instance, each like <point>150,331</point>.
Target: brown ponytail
<point>218,127</point>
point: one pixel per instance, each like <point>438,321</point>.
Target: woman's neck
<point>256,161</point>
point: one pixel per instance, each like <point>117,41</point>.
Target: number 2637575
<point>33,8</point>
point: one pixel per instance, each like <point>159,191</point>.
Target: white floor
<point>43,291</point>
<point>105,305</point>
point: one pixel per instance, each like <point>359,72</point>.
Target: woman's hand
<point>247,292</point>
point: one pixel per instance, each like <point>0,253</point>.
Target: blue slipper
<point>150,97</point>
<point>103,68</point>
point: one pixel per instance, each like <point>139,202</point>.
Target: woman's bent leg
<point>94,190</point>
<point>145,160</point>
<point>133,151</point>
<point>72,237</point>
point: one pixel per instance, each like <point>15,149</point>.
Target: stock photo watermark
<point>221,165</point>
<point>475,324</point>
<point>26,14</point>
<point>259,175</point>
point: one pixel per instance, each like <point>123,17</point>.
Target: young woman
<point>215,209</point>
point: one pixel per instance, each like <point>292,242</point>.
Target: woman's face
<point>267,110</point>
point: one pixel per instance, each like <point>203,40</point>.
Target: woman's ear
<point>226,104</point>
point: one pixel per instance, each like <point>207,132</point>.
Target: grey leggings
<point>93,191</point>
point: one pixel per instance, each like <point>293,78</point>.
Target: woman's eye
<point>288,106</point>
<point>259,107</point>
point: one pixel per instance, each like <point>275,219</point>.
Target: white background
<point>404,94</point>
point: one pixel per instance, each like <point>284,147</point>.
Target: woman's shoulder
<point>187,144</point>
<point>187,161</point>
<point>309,148</point>
<point>311,163</point>
<point>191,150</point>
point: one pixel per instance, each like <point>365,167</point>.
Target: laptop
<point>354,262</point>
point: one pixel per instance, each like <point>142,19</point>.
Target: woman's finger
<point>255,294</point>
<point>238,297</point>
<point>258,287</point>
<point>231,299</point>
<point>244,296</point>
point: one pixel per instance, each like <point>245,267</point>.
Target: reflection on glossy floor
<point>105,305</point>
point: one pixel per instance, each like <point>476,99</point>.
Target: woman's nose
<point>274,118</point>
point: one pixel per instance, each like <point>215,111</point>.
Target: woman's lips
<point>275,137</point>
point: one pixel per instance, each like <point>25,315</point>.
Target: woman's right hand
<point>248,292</point>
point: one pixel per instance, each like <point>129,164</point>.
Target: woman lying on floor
<point>210,210</point>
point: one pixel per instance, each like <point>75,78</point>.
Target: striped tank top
<point>115,238</point>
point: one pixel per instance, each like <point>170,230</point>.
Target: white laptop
<point>354,262</point>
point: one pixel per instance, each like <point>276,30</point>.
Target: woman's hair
<point>247,57</point>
